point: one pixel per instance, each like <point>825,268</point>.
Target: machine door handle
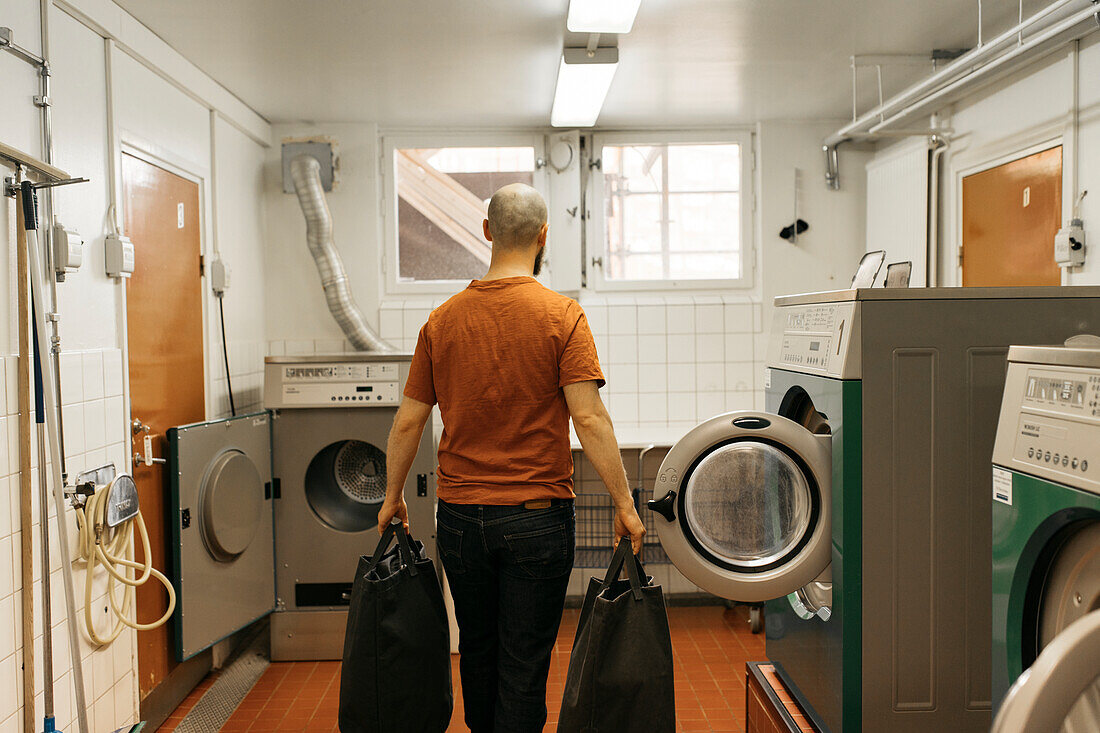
<point>665,506</point>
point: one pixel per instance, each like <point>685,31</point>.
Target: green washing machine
<point>856,503</point>
<point>1046,539</point>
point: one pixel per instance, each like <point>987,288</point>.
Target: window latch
<point>597,262</point>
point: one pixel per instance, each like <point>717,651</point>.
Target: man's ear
<point>542,234</point>
<point>485,228</point>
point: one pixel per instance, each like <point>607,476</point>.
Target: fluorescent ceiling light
<point>602,16</point>
<point>583,82</point>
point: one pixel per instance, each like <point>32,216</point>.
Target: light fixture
<point>602,16</point>
<point>583,80</point>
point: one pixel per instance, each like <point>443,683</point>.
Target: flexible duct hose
<point>305,173</point>
<point>114,550</point>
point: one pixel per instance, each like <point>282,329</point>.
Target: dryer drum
<point>346,483</point>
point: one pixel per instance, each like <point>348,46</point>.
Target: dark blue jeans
<point>508,568</point>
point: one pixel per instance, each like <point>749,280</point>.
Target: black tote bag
<point>620,671</point>
<point>396,674</point>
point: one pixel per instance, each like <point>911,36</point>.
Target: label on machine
<point>1002,486</point>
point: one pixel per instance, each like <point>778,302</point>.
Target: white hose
<point>113,548</point>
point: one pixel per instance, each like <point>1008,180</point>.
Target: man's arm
<point>404,440</point>
<point>597,434</point>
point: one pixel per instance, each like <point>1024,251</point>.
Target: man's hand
<point>391,509</point>
<point>629,524</point>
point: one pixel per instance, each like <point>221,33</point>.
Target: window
<point>442,193</point>
<point>672,213</point>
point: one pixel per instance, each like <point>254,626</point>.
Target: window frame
<point>388,200</point>
<point>596,226</point>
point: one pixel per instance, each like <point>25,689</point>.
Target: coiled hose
<point>113,548</point>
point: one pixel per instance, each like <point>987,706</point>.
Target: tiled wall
<point>95,431</point>
<point>246,366</point>
<point>669,361</point>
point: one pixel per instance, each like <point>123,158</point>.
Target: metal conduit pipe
<point>960,66</point>
<point>305,173</point>
<point>1035,41</point>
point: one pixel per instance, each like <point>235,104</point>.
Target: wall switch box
<point>68,250</point>
<point>1069,244</point>
<point>118,255</point>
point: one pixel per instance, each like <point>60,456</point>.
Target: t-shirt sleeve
<point>420,385</point>
<point>579,361</point>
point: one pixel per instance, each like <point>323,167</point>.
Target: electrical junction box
<point>1069,244</point>
<point>219,276</point>
<point>118,255</point>
<point>68,250</point>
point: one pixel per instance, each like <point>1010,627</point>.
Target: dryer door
<point>1061,690</point>
<point>744,500</point>
<point>222,542</point>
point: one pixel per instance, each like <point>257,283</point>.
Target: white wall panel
<point>897,208</point>
<point>158,117</point>
<point>88,300</point>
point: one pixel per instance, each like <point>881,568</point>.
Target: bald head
<point>517,215</point>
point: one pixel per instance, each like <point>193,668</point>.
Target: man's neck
<point>509,268</point>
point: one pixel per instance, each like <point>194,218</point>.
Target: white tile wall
<point>246,366</point>
<point>669,361</point>
<point>94,432</point>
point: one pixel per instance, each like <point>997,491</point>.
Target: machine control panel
<point>816,339</point>
<point>335,384</point>
<point>1052,417</point>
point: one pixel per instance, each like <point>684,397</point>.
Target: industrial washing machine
<point>1046,533</point>
<point>856,504</point>
<point>271,511</point>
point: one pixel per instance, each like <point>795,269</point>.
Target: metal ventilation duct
<point>305,173</point>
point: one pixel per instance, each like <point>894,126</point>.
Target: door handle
<point>664,506</point>
<point>147,459</point>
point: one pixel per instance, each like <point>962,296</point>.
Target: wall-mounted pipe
<point>305,173</point>
<point>937,97</point>
<point>959,68</point>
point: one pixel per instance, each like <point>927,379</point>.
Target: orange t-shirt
<point>495,357</point>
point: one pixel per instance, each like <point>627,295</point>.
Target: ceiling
<point>478,63</point>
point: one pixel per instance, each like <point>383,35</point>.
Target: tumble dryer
<point>271,511</point>
<point>1046,537</point>
<point>331,416</point>
<point>856,504</point>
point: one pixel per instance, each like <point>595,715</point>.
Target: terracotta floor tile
<point>710,646</point>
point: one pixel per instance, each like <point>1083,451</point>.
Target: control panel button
<point>1084,465</point>
<point>1030,452</point>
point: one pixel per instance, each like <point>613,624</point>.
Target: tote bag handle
<point>634,570</point>
<point>396,529</point>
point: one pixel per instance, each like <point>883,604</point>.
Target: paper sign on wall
<point>767,379</point>
<point>1002,486</point>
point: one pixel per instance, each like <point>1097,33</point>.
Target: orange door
<point>1010,216</point>
<point>164,326</point>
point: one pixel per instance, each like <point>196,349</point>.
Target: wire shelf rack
<point>594,534</point>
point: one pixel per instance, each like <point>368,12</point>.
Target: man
<point>509,362</point>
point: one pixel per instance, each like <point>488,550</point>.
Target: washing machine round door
<point>1061,690</point>
<point>744,505</point>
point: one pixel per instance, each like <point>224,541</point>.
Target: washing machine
<point>1046,538</point>
<point>330,418</point>
<point>856,503</point>
<point>271,511</point>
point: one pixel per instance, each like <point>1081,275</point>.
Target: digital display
<point>364,388</point>
<point>815,346</point>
